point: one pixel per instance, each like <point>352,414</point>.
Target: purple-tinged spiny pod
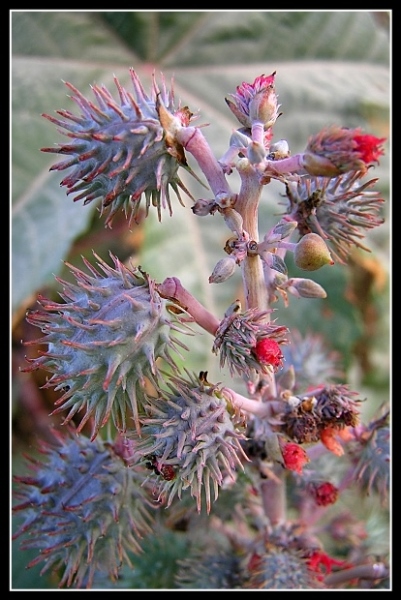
<point>193,429</point>
<point>122,150</point>
<point>104,340</point>
<point>83,509</point>
<point>340,210</point>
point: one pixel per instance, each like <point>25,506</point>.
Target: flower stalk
<point>247,206</point>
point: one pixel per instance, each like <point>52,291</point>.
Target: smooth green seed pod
<point>312,253</point>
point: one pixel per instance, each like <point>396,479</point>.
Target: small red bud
<point>295,457</point>
<point>324,493</point>
<point>268,352</point>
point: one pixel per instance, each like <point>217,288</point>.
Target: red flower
<point>327,437</point>
<point>335,150</point>
<point>268,352</point>
<point>295,457</point>
<point>324,494</point>
<point>369,148</point>
<point>322,563</point>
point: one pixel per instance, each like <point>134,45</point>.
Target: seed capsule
<point>312,253</point>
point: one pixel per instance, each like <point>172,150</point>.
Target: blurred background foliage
<point>333,67</point>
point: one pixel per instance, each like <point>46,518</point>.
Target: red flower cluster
<point>321,564</point>
<point>268,352</point>
<point>295,457</point>
<point>369,147</point>
<point>324,494</point>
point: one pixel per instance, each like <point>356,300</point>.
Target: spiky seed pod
<point>237,339</point>
<point>339,209</point>
<point>84,510</point>
<point>335,150</point>
<point>281,561</point>
<point>103,342</point>
<point>210,570</point>
<point>122,150</point>
<point>192,438</point>
<point>311,360</point>
<point>280,569</point>
<point>373,459</point>
<point>332,406</point>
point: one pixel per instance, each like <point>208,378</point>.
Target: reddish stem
<point>194,142</point>
<point>375,571</point>
<point>172,288</point>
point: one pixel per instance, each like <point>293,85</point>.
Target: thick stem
<point>258,133</point>
<point>246,404</point>
<point>172,288</point>
<point>247,205</point>
<point>194,142</point>
<point>292,164</point>
<point>274,497</point>
<point>372,572</point>
<point>256,294</point>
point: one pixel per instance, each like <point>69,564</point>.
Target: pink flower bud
<point>255,102</point>
<point>203,207</point>
<point>304,288</point>
<point>336,150</point>
<point>263,106</point>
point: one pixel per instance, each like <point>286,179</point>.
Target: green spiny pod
<point>209,569</point>
<point>83,509</point>
<point>103,342</point>
<point>373,463</point>
<point>122,150</point>
<point>280,569</point>
<point>191,439</point>
<point>341,209</point>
